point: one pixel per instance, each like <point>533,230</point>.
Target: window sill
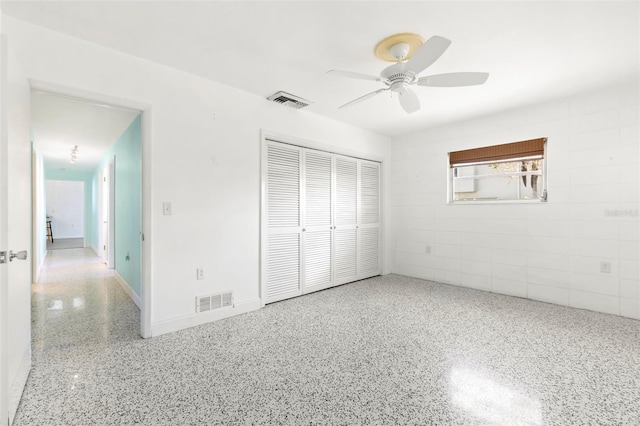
<point>537,201</point>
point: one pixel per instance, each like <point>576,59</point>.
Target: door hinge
<point>3,257</point>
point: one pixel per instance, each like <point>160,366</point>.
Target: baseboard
<point>17,387</point>
<point>95,250</point>
<point>189,321</point>
<point>127,289</point>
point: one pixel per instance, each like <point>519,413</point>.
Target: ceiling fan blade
<point>427,54</point>
<point>363,98</point>
<point>355,75</point>
<point>409,101</point>
<point>454,79</point>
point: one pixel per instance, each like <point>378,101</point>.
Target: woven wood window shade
<point>498,152</point>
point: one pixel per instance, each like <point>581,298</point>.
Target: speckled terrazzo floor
<point>385,351</point>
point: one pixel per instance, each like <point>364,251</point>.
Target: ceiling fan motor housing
<point>397,78</point>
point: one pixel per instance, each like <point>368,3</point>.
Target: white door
<point>15,233</point>
<point>369,223</point>
<point>346,220</point>
<point>317,244</point>
<point>283,237</point>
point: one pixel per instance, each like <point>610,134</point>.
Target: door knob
<point>22,255</point>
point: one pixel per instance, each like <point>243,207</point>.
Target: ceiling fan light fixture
<point>399,51</point>
<point>74,154</point>
<point>389,48</point>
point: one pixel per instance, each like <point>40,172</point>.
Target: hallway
<point>79,315</point>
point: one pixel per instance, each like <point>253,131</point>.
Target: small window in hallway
<point>510,172</point>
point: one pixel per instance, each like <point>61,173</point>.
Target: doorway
<point>101,149</point>
<point>65,214</point>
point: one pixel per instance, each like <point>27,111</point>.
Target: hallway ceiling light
<point>74,154</point>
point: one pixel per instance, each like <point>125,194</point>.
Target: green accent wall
<point>128,203</point>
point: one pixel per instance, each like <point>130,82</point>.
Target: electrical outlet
<point>200,274</point>
<point>605,267</point>
<point>166,208</point>
<point>427,249</point>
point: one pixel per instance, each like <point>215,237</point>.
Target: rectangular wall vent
<point>289,100</point>
<point>214,301</point>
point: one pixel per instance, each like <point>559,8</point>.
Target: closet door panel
<point>346,172</point>
<point>283,186</point>
<point>346,220</point>
<point>370,193</point>
<point>283,240</point>
<point>283,266</point>
<point>346,243</point>
<point>317,211</point>
<point>369,252</point>
<point>317,186</point>
<point>317,260</point>
<point>369,227</point>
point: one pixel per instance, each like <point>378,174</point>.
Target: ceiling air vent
<point>289,100</point>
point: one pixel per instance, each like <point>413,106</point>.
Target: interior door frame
<point>111,249</point>
<point>4,241</point>
<point>108,197</point>
<point>269,135</point>
<point>146,238</point>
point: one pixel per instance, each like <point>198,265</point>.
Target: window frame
<point>542,198</point>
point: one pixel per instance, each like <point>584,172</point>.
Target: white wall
<point>546,251</point>
<point>204,157</point>
<point>65,207</point>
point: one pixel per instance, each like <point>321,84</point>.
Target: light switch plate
<point>166,208</point>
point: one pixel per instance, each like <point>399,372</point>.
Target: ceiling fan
<point>412,56</point>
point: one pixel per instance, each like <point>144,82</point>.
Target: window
<point>508,172</point>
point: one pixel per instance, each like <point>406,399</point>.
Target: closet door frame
<point>268,135</point>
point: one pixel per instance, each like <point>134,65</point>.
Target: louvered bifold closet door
<point>316,215</point>
<point>346,220</point>
<point>369,226</point>
<point>283,222</point>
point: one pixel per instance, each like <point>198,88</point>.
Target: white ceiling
<point>534,51</point>
<point>59,123</point>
